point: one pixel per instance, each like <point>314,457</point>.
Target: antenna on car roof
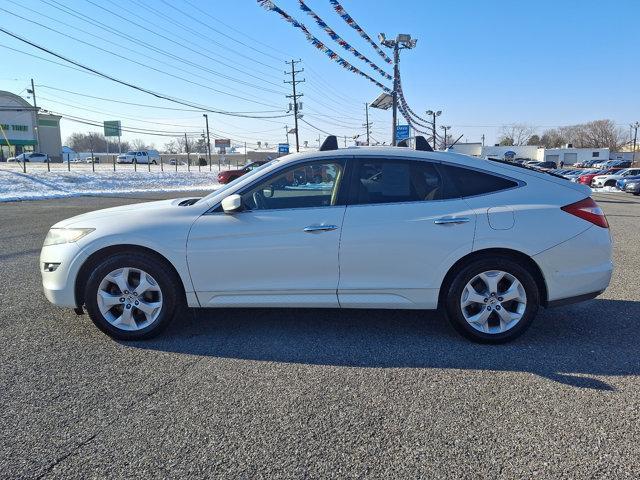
<point>330,143</point>
<point>420,143</point>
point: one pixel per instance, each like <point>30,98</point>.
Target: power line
<point>170,39</point>
<point>144,64</point>
<point>109,77</point>
<point>127,35</point>
<point>161,61</point>
<point>159,107</point>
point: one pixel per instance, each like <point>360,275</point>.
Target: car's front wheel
<point>131,296</point>
<point>492,300</point>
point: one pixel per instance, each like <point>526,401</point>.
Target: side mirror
<point>232,204</point>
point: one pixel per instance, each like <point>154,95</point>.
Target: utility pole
<point>482,139</point>
<point>367,124</point>
<point>286,128</point>
<point>635,127</point>
<point>295,96</point>
<point>434,114</point>
<point>186,147</point>
<point>206,118</point>
<point>445,128</point>
<point>37,127</point>
<point>402,41</point>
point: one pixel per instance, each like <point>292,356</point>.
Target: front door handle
<point>319,228</point>
<point>451,220</point>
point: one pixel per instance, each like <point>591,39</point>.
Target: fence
<point>195,162</point>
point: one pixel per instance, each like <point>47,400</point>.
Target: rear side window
<point>470,182</point>
<point>395,181</point>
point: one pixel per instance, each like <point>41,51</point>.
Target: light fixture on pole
<point>444,142</point>
<point>434,114</point>
<point>402,41</point>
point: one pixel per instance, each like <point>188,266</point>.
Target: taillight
<point>588,210</point>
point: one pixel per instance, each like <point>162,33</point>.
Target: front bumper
<point>59,285</point>
<point>632,188</point>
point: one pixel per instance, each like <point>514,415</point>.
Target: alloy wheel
<point>493,301</point>
<point>129,299</point>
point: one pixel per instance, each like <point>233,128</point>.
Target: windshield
<point>233,183</point>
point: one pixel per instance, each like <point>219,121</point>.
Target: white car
<point>611,179</point>
<point>30,158</point>
<point>486,242</point>
<point>140,156</point>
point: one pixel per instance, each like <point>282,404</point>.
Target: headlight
<point>56,236</point>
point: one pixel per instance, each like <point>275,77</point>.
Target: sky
<point>485,64</point>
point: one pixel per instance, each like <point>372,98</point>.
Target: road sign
<point>112,128</point>
<point>402,132</point>
<point>222,142</point>
<point>283,148</point>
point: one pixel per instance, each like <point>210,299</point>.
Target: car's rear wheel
<point>131,296</point>
<point>492,300</point>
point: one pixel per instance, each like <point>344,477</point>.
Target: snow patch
<point>39,185</point>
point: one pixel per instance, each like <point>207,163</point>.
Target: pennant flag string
<point>340,41</point>
<point>352,23</point>
<point>269,5</point>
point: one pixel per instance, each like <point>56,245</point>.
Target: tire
<point>493,330</point>
<point>161,299</point>
<point>610,183</point>
<point>153,162</point>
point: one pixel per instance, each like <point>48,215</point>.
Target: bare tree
<point>516,134</point>
<point>85,142</point>
<point>139,144</point>
<point>182,146</point>
<point>171,147</point>
<point>596,134</point>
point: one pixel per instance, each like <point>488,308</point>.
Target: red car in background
<point>227,176</point>
<point>588,177</point>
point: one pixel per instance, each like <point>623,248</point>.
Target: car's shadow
<point>571,345</point>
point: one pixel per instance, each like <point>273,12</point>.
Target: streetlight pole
<point>635,127</point>
<point>206,118</point>
<point>402,41</point>
<point>434,114</point>
<point>445,128</point>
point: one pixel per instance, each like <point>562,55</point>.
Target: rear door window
<point>395,181</point>
<point>469,182</point>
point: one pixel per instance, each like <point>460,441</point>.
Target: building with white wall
<point>574,155</point>
<point>18,131</point>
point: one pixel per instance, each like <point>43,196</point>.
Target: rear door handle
<point>319,228</point>
<point>451,220</point>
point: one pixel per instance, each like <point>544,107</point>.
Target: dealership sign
<point>112,128</point>
<point>222,142</point>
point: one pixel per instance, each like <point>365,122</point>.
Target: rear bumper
<point>579,268</point>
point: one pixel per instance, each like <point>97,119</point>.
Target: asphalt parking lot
<point>321,394</point>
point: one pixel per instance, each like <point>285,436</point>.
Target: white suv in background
<point>32,157</point>
<point>140,156</point>
<point>485,242</point>
<point>611,179</point>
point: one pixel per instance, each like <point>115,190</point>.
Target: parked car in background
<point>587,176</point>
<point>609,180</point>
<point>548,165</point>
<point>313,230</point>
<point>32,157</point>
<point>93,159</point>
<point>622,182</point>
<point>174,161</point>
<point>633,186</point>
<point>140,156</point>
<point>227,176</point>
